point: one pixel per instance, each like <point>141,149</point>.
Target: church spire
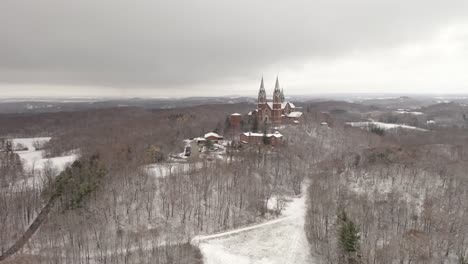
<point>262,93</point>
<point>277,93</point>
<point>277,86</point>
<point>282,95</point>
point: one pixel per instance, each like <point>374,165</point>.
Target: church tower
<point>277,100</point>
<point>262,102</point>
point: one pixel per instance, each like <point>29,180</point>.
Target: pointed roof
<point>277,87</point>
<point>277,92</point>
<point>262,93</point>
<point>282,95</point>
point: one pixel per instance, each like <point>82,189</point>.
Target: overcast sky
<point>214,47</point>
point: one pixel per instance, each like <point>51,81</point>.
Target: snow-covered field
<point>160,170</point>
<point>280,241</point>
<point>409,112</point>
<point>29,142</point>
<point>34,160</point>
<point>385,126</point>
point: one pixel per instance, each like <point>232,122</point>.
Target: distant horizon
<point>382,96</point>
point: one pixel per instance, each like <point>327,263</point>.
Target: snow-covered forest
<point>104,189</point>
<point>394,198</point>
<point>120,201</point>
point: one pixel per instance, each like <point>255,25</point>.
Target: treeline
<point>61,123</point>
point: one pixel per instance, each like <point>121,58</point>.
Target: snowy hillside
<point>280,241</point>
<point>35,160</point>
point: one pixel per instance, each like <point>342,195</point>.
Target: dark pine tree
<point>348,238</point>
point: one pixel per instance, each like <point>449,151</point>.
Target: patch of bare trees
<point>407,201</point>
<point>133,216</point>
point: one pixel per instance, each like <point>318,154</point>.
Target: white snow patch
<point>382,125</point>
<point>280,241</point>
<point>29,142</point>
<point>160,170</point>
<point>34,160</point>
<point>408,112</point>
<point>216,254</point>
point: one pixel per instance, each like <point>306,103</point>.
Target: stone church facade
<point>274,111</point>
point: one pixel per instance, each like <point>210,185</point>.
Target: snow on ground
<point>29,142</point>
<point>409,112</point>
<point>34,160</point>
<point>217,252</point>
<point>160,170</point>
<point>58,164</point>
<point>385,126</point>
<point>280,241</point>
<point>407,188</point>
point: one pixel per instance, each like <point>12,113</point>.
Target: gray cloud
<point>178,43</point>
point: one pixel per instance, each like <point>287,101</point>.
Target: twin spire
<point>278,93</point>
<point>262,93</point>
<point>277,87</point>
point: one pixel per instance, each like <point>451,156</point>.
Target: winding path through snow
<point>280,241</point>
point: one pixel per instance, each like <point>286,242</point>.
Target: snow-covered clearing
<point>29,142</point>
<point>385,126</point>
<point>160,170</point>
<point>409,112</point>
<point>280,241</point>
<point>34,160</point>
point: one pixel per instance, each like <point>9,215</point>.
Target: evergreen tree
<point>348,238</point>
<point>462,260</point>
<point>217,128</point>
<point>9,146</point>
<point>209,144</point>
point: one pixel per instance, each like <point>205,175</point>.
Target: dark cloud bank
<point>176,43</point>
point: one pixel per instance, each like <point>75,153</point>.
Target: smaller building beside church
<point>251,138</point>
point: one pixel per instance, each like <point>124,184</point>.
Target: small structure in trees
<point>214,137</point>
<point>252,138</point>
<point>235,121</point>
<point>210,141</point>
<point>292,117</point>
<point>187,150</point>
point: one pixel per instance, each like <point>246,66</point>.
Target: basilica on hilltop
<point>277,110</point>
